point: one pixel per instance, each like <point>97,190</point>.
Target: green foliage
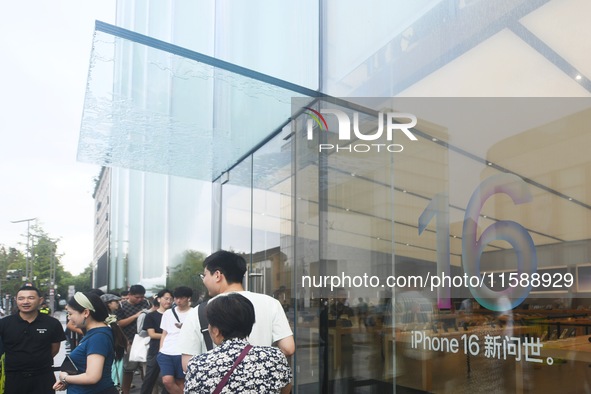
<point>81,282</point>
<point>42,257</point>
<point>12,265</point>
<point>187,273</point>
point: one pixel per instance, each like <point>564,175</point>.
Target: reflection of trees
<point>187,273</point>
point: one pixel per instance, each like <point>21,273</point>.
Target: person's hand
<point>59,386</point>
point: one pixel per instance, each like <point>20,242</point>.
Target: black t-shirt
<point>153,320</point>
<point>28,345</point>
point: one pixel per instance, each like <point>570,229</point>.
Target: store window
<point>455,263</point>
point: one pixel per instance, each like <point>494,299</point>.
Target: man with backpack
<point>223,274</point>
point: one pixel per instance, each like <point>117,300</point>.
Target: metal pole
<point>27,275</point>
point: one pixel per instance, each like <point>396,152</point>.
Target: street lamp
<point>27,274</point>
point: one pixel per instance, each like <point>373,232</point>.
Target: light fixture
<point>578,77</point>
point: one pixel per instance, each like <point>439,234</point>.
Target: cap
<point>110,297</point>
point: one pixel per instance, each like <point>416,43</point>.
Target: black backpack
<point>203,323</point>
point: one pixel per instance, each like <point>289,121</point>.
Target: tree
<point>81,282</point>
<point>187,274</point>
<point>12,266</point>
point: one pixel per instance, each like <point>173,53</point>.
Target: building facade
<point>102,199</point>
<point>409,179</point>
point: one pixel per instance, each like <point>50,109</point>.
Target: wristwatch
<point>63,380</point>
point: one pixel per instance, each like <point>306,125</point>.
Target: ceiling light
<point>434,139</point>
<point>489,163</point>
<point>570,199</point>
<point>578,77</point>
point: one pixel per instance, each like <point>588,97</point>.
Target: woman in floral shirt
<point>263,370</point>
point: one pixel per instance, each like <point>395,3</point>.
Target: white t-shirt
<point>270,326</point>
<point>170,324</point>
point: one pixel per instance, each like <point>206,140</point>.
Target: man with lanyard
<point>169,356</point>
<point>126,318</point>
<point>30,340</point>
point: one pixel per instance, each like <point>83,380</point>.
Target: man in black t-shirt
<point>152,325</point>
<point>30,340</point>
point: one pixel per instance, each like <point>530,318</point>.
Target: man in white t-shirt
<point>222,274</point>
<point>169,357</point>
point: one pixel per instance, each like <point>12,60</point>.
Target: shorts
<point>129,366</point>
<point>170,365</point>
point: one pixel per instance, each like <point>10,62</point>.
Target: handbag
<point>139,349</point>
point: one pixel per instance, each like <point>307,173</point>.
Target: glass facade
<point>449,255</point>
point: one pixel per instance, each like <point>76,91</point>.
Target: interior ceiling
<point>543,54</point>
<point>367,193</point>
<point>538,55</point>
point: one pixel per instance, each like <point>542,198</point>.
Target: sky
<point>45,50</point>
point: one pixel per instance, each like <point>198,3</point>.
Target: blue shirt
<point>96,341</point>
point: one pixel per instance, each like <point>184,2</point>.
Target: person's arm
<point>162,338</point>
<point>128,320</point>
<point>55,348</point>
<point>286,389</point>
<point>153,334</point>
<point>94,372</point>
<point>185,361</point>
<point>286,345</point>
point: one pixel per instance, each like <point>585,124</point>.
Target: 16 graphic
<point>473,246</point>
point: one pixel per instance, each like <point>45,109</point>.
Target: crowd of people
<point>236,342</point>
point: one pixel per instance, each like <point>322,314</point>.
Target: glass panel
<point>159,230</point>
<point>474,235</point>
<point>344,227</point>
<point>279,38</point>
<point>272,256</point>
<point>237,209</point>
<point>187,118</point>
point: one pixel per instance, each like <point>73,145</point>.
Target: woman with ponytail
<point>103,342</point>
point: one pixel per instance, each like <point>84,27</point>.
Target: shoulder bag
<point>226,377</point>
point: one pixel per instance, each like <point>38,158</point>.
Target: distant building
<point>100,260</point>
